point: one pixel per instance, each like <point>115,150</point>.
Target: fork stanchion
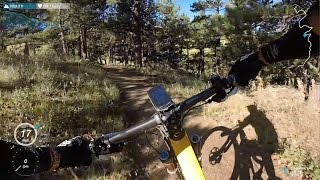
<point>167,159</point>
<point>195,142</point>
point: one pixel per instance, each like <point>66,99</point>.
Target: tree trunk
<point>1,39</point>
<point>318,63</point>
<point>126,54</point>
<point>62,36</point>
<point>83,41</point>
<point>79,46</point>
<point>72,48</point>
<point>34,49</point>
<point>188,54</point>
<point>1,42</point>
<point>138,32</point>
<point>201,63</point>
<point>217,63</point>
<point>26,49</point>
<point>111,53</point>
<point>1,45</point>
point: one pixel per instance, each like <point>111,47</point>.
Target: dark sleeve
<point>44,159</point>
<point>6,168</point>
<point>5,159</point>
<point>295,44</point>
<point>74,156</point>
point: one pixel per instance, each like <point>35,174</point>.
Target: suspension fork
<point>183,150</point>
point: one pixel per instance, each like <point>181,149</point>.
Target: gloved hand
<point>74,152</point>
<point>246,68</point>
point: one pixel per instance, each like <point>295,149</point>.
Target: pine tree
<point>172,33</point>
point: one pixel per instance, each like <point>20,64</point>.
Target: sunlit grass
<point>66,98</point>
<point>179,84</point>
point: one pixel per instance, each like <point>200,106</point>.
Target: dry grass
<point>292,120</point>
<point>292,117</point>
<point>9,75</point>
<point>179,83</point>
<point>67,97</point>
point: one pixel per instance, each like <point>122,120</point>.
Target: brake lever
<point>226,88</point>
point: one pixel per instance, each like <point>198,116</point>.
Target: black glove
<point>246,68</point>
<point>74,152</point>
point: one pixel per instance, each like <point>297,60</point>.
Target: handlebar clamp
<point>98,147</point>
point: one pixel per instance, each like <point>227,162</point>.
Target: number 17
<point>28,130</point>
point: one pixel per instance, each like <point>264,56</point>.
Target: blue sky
<point>185,6</point>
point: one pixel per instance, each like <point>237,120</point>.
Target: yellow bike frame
<point>187,159</point>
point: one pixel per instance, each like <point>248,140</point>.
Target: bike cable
<point>151,144</point>
<point>185,114</point>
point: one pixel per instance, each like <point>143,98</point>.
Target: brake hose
<point>185,114</point>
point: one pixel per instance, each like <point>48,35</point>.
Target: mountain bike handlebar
<point>116,140</point>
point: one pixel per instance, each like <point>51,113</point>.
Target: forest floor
<point>277,133</point>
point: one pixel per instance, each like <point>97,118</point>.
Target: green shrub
<point>299,160</point>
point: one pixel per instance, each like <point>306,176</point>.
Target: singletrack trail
<point>245,159</point>
<point>134,100</point>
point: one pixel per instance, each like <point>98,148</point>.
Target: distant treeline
<point>144,32</point>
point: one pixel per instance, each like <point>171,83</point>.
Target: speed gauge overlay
<point>25,161</point>
<point>25,134</point>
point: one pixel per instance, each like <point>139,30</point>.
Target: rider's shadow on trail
<point>252,157</point>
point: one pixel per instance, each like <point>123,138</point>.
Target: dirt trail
<point>245,159</point>
<point>133,94</point>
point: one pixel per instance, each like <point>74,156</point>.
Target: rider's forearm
<point>295,44</point>
<point>60,157</point>
<point>44,159</point>
<point>49,159</point>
